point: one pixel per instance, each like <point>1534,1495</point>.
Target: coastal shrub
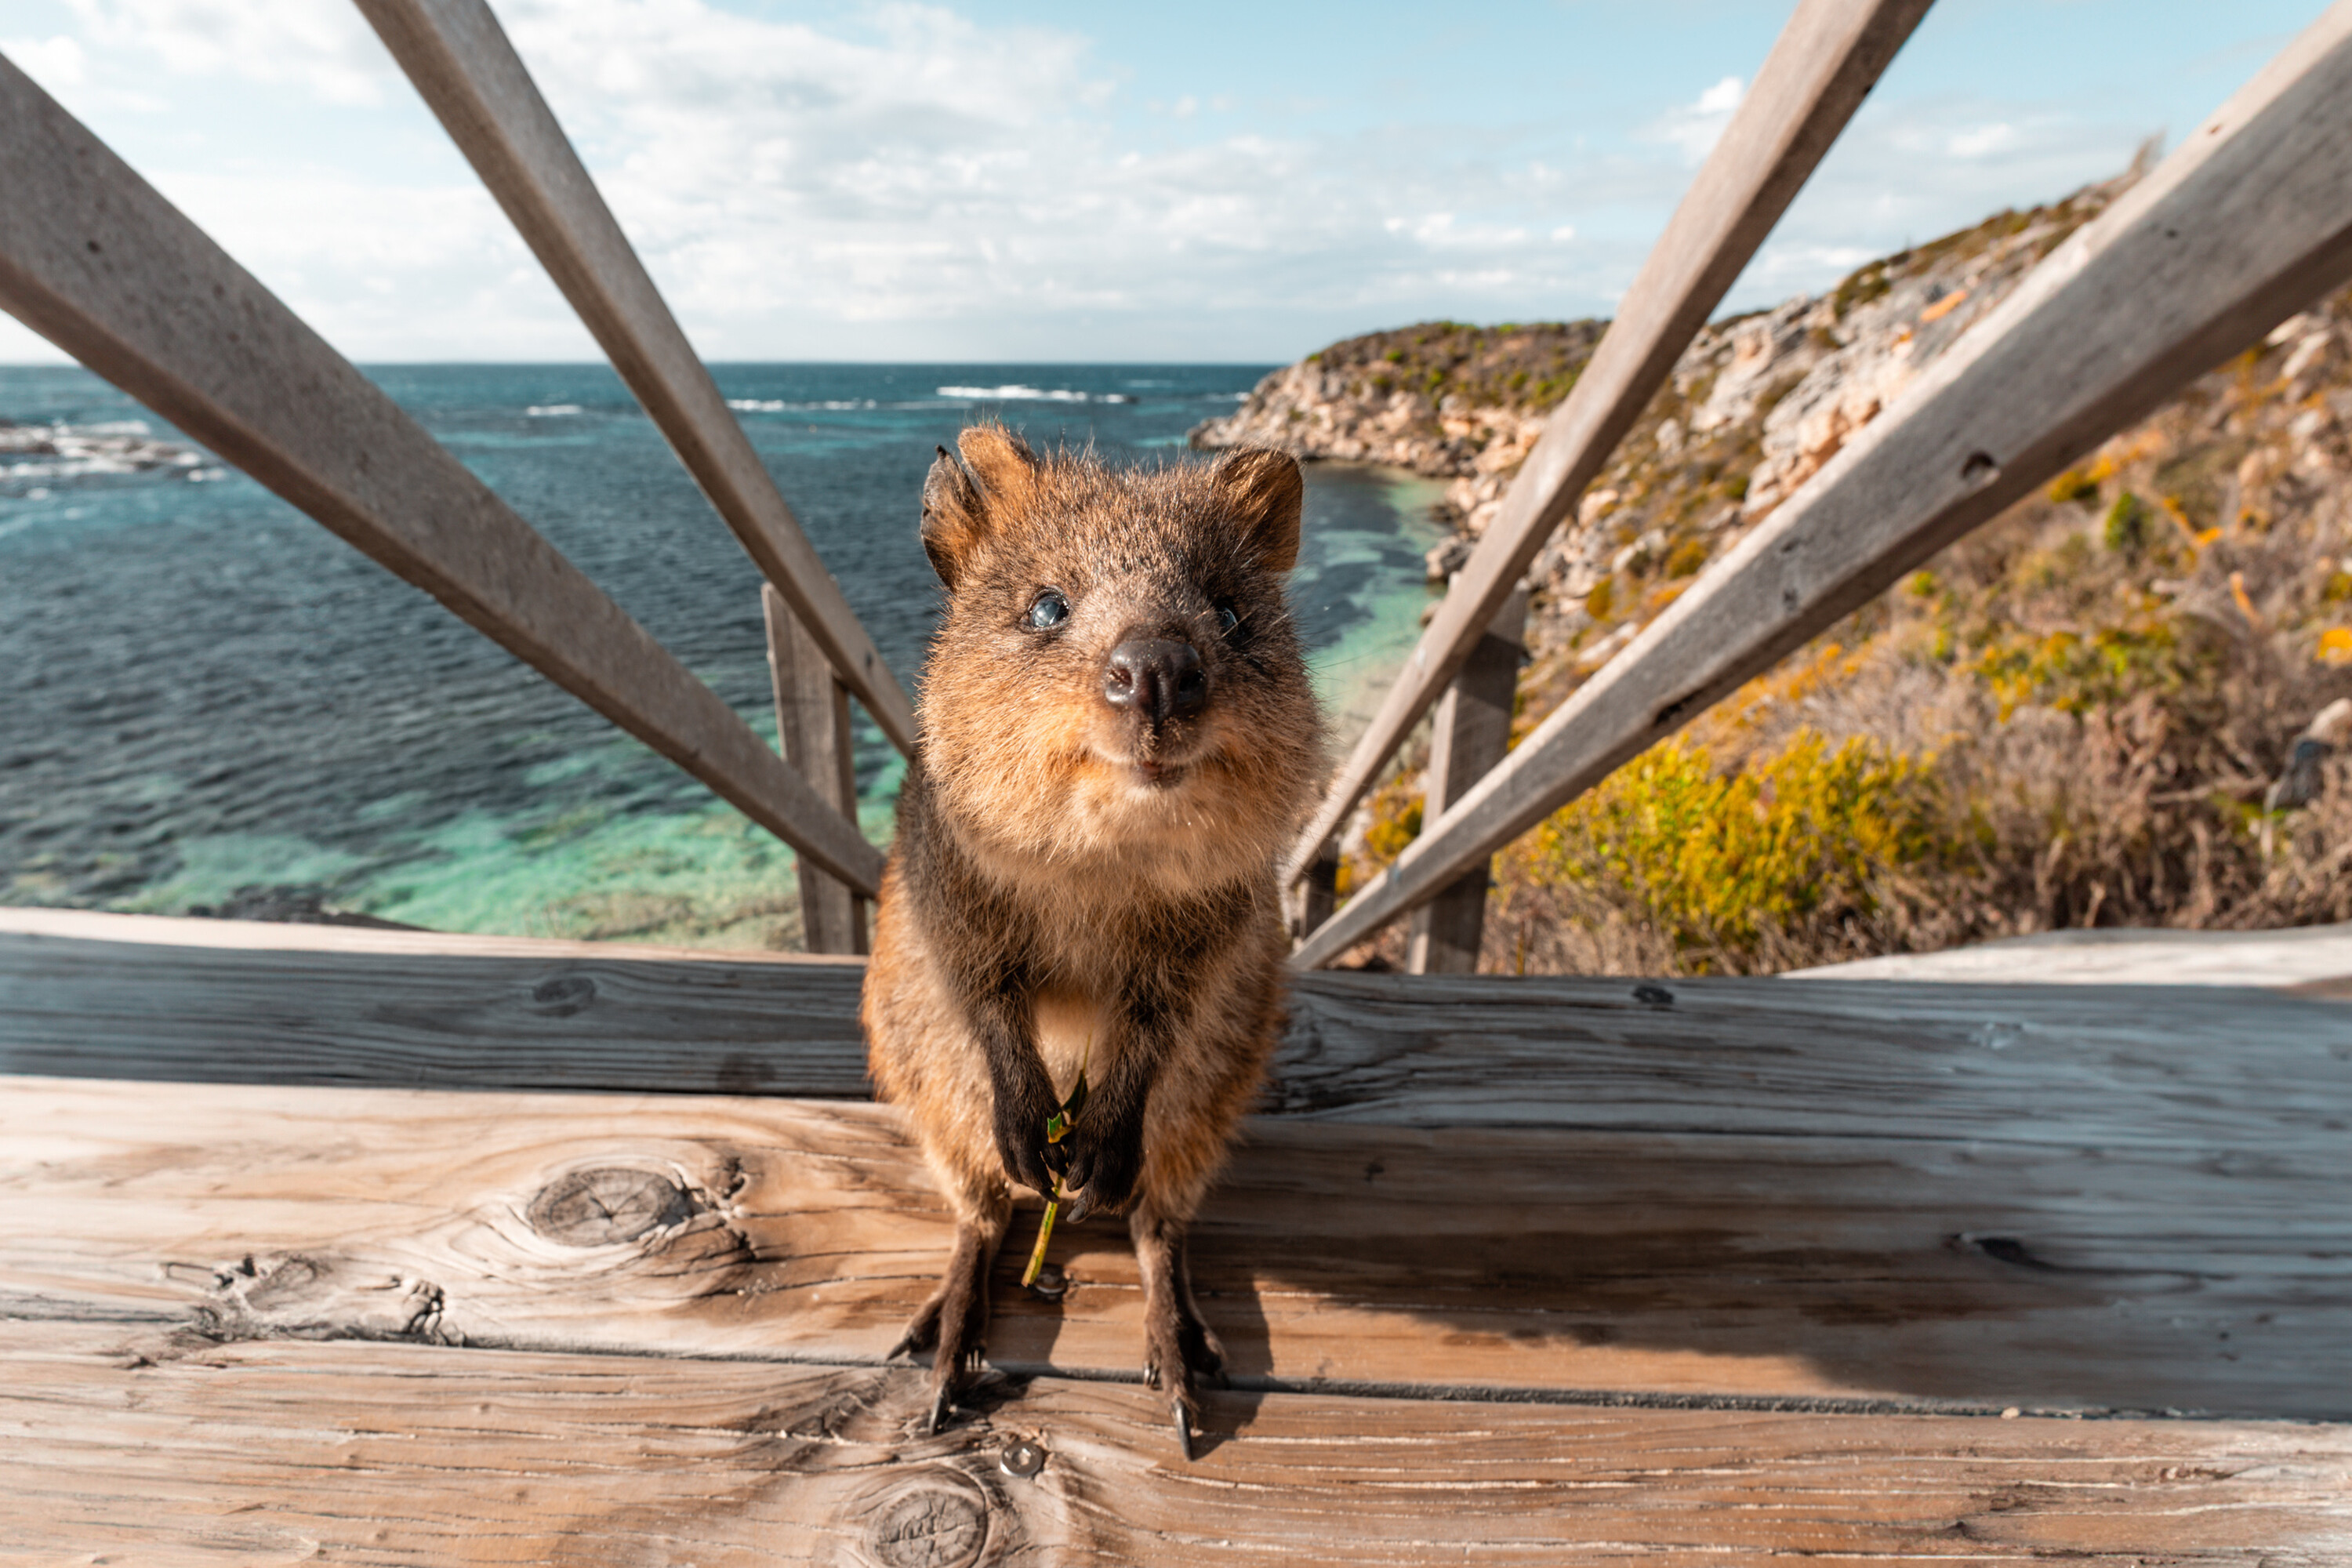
<point>2126,529</point>
<point>2074,673</point>
<point>1603,597</point>
<point>1716,863</point>
<point>2074,485</point>
<point>1860,287</point>
<point>1394,821</point>
<point>1686,558</point>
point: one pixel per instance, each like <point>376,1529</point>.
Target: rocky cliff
<point>2086,713</point>
<point>1754,407</point>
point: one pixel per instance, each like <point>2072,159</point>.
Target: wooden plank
<point>2072,1065</point>
<point>93,259</point>
<point>461,62</point>
<point>2311,959</point>
<point>1470,732</point>
<point>2250,219</point>
<point>812,726</point>
<point>1966,1271</point>
<point>260,1453</point>
<point>140,997</point>
<point>1823,63</point>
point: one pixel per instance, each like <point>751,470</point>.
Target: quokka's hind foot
<point>1180,1351</point>
<point>953,1324</point>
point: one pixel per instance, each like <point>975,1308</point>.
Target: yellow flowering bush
<point>1715,860</point>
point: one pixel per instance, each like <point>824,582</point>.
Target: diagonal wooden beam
<point>95,261</point>
<point>2248,220</point>
<point>1825,60</point>
<point>461,61</point>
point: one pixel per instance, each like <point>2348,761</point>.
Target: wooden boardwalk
<point>1520,1271</point>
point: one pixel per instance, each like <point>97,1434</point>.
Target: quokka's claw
<point>1083,1205</point>
<point>1183,1428</point>
<point>942,1406</point>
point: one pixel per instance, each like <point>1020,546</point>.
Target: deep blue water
<point>205,690</point>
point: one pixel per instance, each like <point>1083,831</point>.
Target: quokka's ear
<point>1263,489</point>
<point>964,500</point>
<point>1002,462</point>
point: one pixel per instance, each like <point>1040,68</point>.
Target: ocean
<point>206,693</point>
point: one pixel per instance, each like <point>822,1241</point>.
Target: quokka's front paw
<point>1020,1129</point>
<point>1103,1169</point>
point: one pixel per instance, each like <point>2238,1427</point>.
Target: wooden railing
<point>2248,221</point>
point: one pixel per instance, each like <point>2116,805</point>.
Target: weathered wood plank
<point>1822,65</point>
<point>1898,1273</point>
<point>2309,959</point>
<point>2250,219</point>
<point>95,261</point>
<point>812,728</point>
<point>1469,733</point>
<point>461,62</point>
<point>367,1454</point>
<point>138,996</point>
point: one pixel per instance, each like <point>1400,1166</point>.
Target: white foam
<point>551,410</point>
<point>778,405</point>
<point>1019,393</point>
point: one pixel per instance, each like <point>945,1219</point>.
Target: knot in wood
<point>564,995</point>
<point>929,1526</point>
<point>610,1204</point>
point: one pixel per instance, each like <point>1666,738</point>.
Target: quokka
<point>1118,739</point>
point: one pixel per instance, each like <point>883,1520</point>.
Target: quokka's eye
<point>1049,610</point>
<point>1228,619</point>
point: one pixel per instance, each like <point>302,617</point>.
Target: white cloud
<point>323,46</point>
<point>1722,97</point>
<point>1694,128</point>
<point>58,63</point>
<point>1981,140</point>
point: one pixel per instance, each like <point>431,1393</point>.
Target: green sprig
<point>1057,1127</point>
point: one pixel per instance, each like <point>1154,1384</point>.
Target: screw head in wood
<point>1021,1458</point>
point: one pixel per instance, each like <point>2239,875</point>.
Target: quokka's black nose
<point>1157,677</point>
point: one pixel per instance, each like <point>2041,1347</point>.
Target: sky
<point>1038,181</point>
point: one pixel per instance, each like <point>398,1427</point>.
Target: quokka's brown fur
<point>1118,739</point>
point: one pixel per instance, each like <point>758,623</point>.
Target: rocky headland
<point>2077,716</point>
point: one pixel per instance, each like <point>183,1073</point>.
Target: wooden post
<point>812,726</point>
<point>1319,890</point>
<point>94,260</point>
<point>1472,732</point>
<point>1823,63</point>
<point>461,62</point>
<point>2248,221</point>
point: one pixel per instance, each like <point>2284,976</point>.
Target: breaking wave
<point>1018,394</point>
<point>36,458</point>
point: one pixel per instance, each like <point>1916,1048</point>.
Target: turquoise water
<point>208,692</point>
